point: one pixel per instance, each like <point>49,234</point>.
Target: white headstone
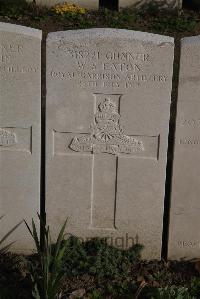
<point>184,232</point>
<point>166,4</point>
<point>20,101</point>
<point>94,4</point>
<point>108,105</point>
<point>90,4</point>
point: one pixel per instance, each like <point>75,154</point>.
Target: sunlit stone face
<point>108,102</point>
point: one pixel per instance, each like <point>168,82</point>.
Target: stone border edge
<point>190,40</point>
<point>19,29</point>
<point>112,33</point>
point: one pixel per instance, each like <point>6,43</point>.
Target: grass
<point>94,269</point>
<point>109,266</point>
<point>48,274</point>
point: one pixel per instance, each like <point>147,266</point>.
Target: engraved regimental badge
<point>7,138</point>
<point>108,135</point>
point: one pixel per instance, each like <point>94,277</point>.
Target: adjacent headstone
<point>94,4</point>
<point>90,4</point>
<point>184,233</point>
<point>108,106</point>
<point>163,4</point>
<point>20,101</point>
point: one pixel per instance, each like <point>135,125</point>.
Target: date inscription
<point>92,69</point>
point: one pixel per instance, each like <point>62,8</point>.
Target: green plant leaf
<point>10,232</point>
<point>46,283</point>
<point>6,247</point>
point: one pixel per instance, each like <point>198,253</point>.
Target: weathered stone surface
<point>164,4</point>
<point>20,51</point>
<point>90,4</point>
<point>184,233</point>
<point>108,104</point>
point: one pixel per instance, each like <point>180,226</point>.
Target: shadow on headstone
<point>16,2</point>
<point>155,5</point>
<point>112,4</point>
<point>13,4</point>
<point>191,4</point>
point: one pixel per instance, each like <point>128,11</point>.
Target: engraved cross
<point>107,142</point>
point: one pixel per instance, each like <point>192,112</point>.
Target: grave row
<point>116,4</point>
<point>107,123</point>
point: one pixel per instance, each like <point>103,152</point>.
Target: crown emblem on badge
<point>108,135</point>
<point>107,121</point>
<point>7,138</point>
